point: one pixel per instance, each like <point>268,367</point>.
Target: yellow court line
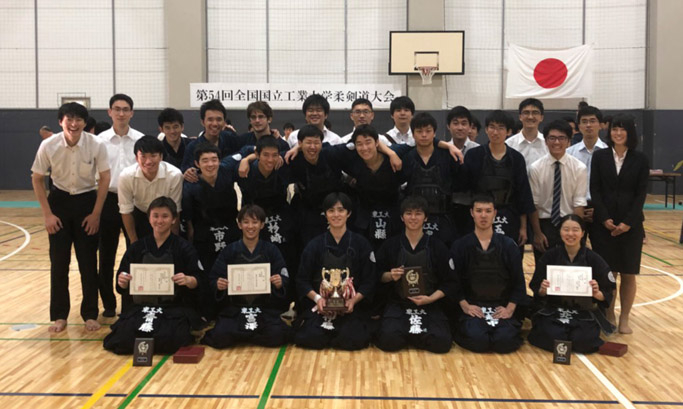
<point>103,390</point>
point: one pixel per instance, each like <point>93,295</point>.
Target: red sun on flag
<point>550,73</point>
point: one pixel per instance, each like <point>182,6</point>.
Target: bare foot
<point>58,326</point>
<point>92,325</point>
<point>624,328</point>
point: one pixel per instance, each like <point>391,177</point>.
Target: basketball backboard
<point>409,50</point>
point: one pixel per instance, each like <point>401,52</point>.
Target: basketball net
<point>427,73</point>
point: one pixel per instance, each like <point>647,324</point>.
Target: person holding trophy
<point>415,268</point>
<point>336,277</point>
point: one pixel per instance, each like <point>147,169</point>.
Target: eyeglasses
<point>361,112</point>
<point>119,109</point>
<point>556,138</point>
<point>531,113</point>
<point>256,117</point>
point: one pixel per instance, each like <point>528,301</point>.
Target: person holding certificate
<point>249,280</point>
<point>566,317</point>
<point>161,272</point>
<point>336,274</point>
<point>416,272</point>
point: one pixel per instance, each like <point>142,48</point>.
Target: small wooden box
<point>613,349</point>
<point>189,355</point>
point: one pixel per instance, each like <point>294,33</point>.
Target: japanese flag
<point>564,73</point>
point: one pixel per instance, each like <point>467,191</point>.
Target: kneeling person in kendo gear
<point>575,319</point>
<point>490,278</point>
<point>250,318</point>
<point>416,320</point>
<point>167,319</point>
<point>336,264</point>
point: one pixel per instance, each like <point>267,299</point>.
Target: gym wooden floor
<point>71,370</point>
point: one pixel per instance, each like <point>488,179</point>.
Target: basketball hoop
<point>427,72</point>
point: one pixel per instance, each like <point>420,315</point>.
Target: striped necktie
<point>557,193</point>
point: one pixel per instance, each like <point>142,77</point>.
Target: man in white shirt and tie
<point>558,184</point>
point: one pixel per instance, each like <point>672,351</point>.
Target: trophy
<point>336,287</point>
<point>413,282</point>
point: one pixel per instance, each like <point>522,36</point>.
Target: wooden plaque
<point>413,282</point>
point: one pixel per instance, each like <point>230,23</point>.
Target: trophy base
<point>335,304</point>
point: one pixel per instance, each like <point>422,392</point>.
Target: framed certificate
<point>246,279</point>
<point>151,279</point>
<point>570,280</point>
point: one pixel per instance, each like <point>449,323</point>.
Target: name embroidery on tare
<point>488,316</point>
<point>250,315</point>
<point>273,226</point>
<point>380,224</point>
<point>498,224</point>
<point>219,237</point>
<point>415,319</point>
<point>566,315</point>
<point>150,316</point>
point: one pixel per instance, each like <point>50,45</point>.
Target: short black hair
<point>483,198</point>
<point>475,123</point>
<point>206,147</point>
<point>606,119</point>
<point>90,123</point>
<point>499,117</point>
<point>569,120</point>
<point>266,141</point>
<point>121,97</point>
<point>288,125</point>
<point>163,201</point>
<point>148,144</point>
<point>308,131</point>
<point>170,115</point>
<point>337,197</point>
<point>316,100</point>
<point>73,109</point>
<point>414,203</point>
<point>362,101</point>
<point>558,125</point>
<point>101,126</point>
<point>627,122</point>
<point>422,120</point>
<point>401,102</point>
<point>212,105</point>
<point>364,130</point>
<point>260,106</point>
<point>533,102</point>
<point>582,104</point>
<point>589,110</point>
<point>458,112</point>
<point>253,211</point>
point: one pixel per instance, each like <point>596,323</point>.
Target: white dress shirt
<point>120,152</point>
<point>136,191</point>
<point>619,160</point>
<point>73,169</point>
<point>580,152</point>
<point>532,151</point>
<point>400,138</point>
<point>574,181</point>
<point>468,145</point>
<point>329,137</point>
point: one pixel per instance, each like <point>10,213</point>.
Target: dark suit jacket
<point>619,197</point>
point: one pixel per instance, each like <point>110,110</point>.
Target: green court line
<point>271,378</point>
<point>658,259</point>
<point>52,339</point>
<point>19,204</point>
<point>142,384</point>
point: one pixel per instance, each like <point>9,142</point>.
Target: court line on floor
<point>658,259</point>
<point>667,298</point>
<point>443,399</point>
<point>271,379</point>
<point>52,339</point>
<point>27,240</point>
<point>201,396</point>
<point>625,402</point>
<point>142,384</point>
<point>19,204</point>
<point>102,391</point>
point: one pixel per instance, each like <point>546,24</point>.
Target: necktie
<point>557,193</point>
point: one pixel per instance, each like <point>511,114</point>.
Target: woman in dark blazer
<point>618,185</point>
